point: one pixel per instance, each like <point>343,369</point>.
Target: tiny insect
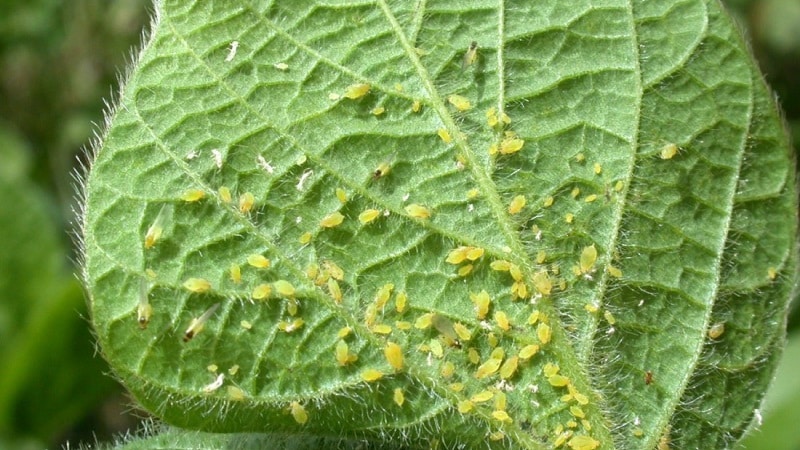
<point>528,352</point>
<point>648,377</point>
<point>282,66</point>
<point>156,229</point>
<point>470,56</point>
<point>517,204</point>
<point>668,151</point>
<point>303,178</point>
<point>214,385</point>
<point>399,397</point>
<point>298,413</point>
<point>197,285</point>
<point>445,135</point>
<point>544,333</point>
<point>394,355</point>
<point>368,216</point>
<point>193,195</point>
<point>197,324</point>
<point>144,311</point>
<point>460,102</point>
<point>216,155</point>
<point>418,211</point>
<point>511,145</point>
<point>258,261</point>
<point>232,51</point>
<point>284,288</point>
<point>587,259</point>
<point>261,292</point>
<point>225,194</point>
<point>356,91</point>
<point>716,330</point>
<point>246,202</point>
<point>370,375</point>
<point>502,416</point>
<point>332,220</point>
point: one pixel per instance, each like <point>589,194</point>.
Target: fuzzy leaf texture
<point>579,233</point>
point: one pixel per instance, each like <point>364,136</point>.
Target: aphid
<point>474,253</point>
<point>258,261</point>
<point>399,398</point>
<point>517,204</point>
<point>483,396</point>
<point>500,265</point>
<point>216,155</point>
<point>448,369</point>
<point>583,442</point>
<point>590,198</point>
<point>193,195</point>
<point>356,91</point>
<point>473,356</point>
<point>457,255</point>
<point>235,273</point>
<point>341,195</point>
<point>502,416</point>
<point>284,288</point>
<point>418,211</point>
<point>609,317</point>
<point>368,216</point>
<point>343,355</point>
<point>383,295</point>
<point>382,329</point>
<point>305,238</point>
<point>648,377</point>
<point>400,302</point>
<point>772,273</point>
<point>402,325</point>
<point>491,117</point>
<point>470,56</point>
<point>544,333</point>
<point>465,406</point>
<point>619,185</point>
<point>576,191</point>
<point>569,217</point>
<point>716,330</point>
<point>232,51</point>
<point>225,194</point>
<point>465,270</point>
<point>668,151</point>
<point>436,348</point>
<point>332,220</point>
<point>534,317</point>
<point>444,326</point>
<point>558,380</point>
<point>394,355</point>
<point>577,411</point>
<point>528,352</point>
<point>335,290</point>
<point>473,193</point>
<point>542,282</point>
<point>298,413</point>
<point>233,370</point>
<point>246,202</point>
<point>598,169</point>
<point>197,324</point>
<point>502,320</point>
<point>261,292</point>
<point>370,375</point>
<point>482,302</point>
<point>488,368</point>
<point>282,66</point>
<point>509,368</point>
<point>456,387</point>
<point>212,368</point>
<point>591,308</point>
<point>333,96</point>
<point>614,271</point>
<point>548,202</point>
<point>515,272</point>
<point>461,103</point>
<point>197,285</point>
<point>462,331</point>
<point>214,385</point>
<point>333,269</point>
<point>144,310</point>
<point>246,324</point>
<point>445,135</point>
<point>588,258</point>
<point>235,394</point>
<point>378,110</point>
<point>500,401</point>
<point>289,327</point>
<point>511,145</point>
<point>156,229</point>
<point>424,321</point>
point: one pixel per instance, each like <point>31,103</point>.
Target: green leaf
<point>640,200</point>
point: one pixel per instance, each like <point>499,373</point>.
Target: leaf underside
<point>647,136</point>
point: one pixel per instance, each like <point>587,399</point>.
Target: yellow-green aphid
<point>470,56</point>
<point>400,302</point>
<point>284,288</point>
<point>333,269</point>
<point>491,117</point>
<point>289,327</point>
<point>576,191</point>
<point>619,186</point>
<point>399,398</point>
<point>772,273</point>
<point>462,331</point>
<point>298,412</point>
<point>370,375</point>
<point>235,394</point>
<point>465,270</point>
<point>418,211</point>
<point>461,103</point>
<point>569,217</point>
<point>436,348</point>
<point>246,324</point>
<point>502,320</point>
<point>668,151</point>
<point>344,332</point>
<point>509,367</point>
<point>483,396</point>
<point>343,355</point>
<point>457,255</point>
<point>258,261</point>
<point>488,368</point>
<point>444,326</point>
<point>583,442</point>
<point>515,272</point>
<point>424,321</point>
<point>368,215</point>
<point>394,355</point>
<point>528,352</point>
<point>511,145</point>
<point>341,195</point>
<point>473,355</point>
<point>544,333</point>
<point>517,204</point>
<point>197,324</point>
<point>558,380</point>
<point>193,195</point>
<point>542,282</point>
<point>716,330</point>
<point>598,169</point>
<point>500,401</point>
<point>332,220</point>
<point>235,273</point>
<point>416,106</point>
<point>590,198</point>
<point>534,317</point>
<point>378,110</point>
<point>335,290</point>
<point>448,369</point>
<point>246,202</point>
<point>614,271</point>
<point>588,258</point>
<point>197,285</point>
<point>144,310</point>
<point>548,202</point>
<point>500,265</point>
<point>305,238</point>
<point>156,229</point>
<point>381,328</point>
<point>465,406</point>
<point>383,295</point>
<point>261,292</point>
<point>225,194</point>
<point>370,314</point>
<point>456,387</point>
<point>576,411</point>
<point>502,416</point>
<point>482,301</point>
<point>356,91</point>
<point>402,325</point>
<point>445,135</point>
<point>291,306</point>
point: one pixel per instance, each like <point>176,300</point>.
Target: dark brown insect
<point>648,377</point>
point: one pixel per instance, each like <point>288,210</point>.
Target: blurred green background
<point>59,61</point>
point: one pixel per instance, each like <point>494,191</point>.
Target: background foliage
<point>59,60</point>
